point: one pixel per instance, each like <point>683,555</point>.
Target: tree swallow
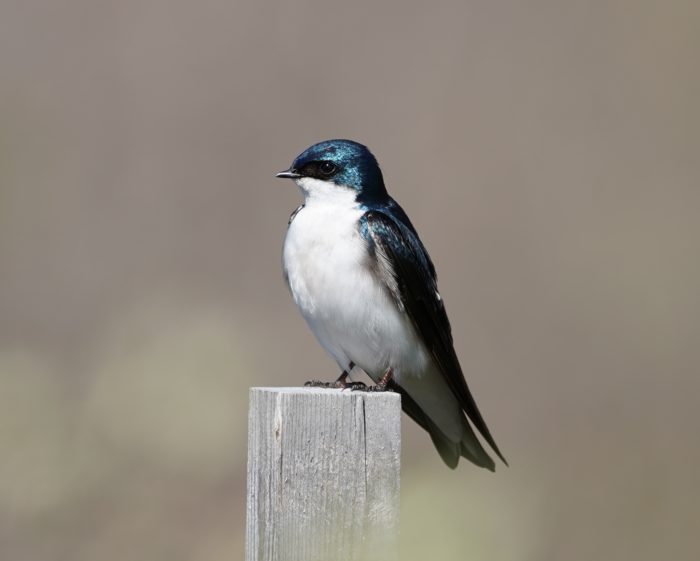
<point>366,286</point>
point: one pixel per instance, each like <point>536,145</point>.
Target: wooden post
<point>323,475</point>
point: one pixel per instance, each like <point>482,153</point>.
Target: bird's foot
<point>382,385</point>
<point>378,389</point>
<point>320,384</point>
<point>340,383</point>
<point>357,386</point>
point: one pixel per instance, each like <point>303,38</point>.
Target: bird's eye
<point>327,168</point>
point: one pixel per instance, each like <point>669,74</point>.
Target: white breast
<point>350,312</point>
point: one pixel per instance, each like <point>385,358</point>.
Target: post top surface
<point>305,390</point>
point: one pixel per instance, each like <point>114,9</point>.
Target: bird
<point>367,288</point>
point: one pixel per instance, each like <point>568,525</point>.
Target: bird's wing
<point>403,265</point>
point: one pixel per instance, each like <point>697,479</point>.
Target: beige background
<point>547,152</point>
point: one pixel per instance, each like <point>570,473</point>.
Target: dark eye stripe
<point>322,169</point>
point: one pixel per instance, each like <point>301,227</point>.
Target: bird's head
<point>333,165</point>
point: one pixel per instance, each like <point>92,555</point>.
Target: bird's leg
<point>344,384</point>
<point>321,384</point>
<point>341,382</point>
<point>382,384</point>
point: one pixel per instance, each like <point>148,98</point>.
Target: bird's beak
<point>288,174</point>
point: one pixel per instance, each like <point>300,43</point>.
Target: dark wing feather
<point>405,267</point>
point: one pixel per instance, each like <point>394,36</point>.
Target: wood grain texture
<point>323,475</point>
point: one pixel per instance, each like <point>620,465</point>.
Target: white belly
<point>351,313</point>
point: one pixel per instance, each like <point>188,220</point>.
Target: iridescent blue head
<point>345,163</point>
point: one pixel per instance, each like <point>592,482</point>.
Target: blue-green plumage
<point>355,167</point>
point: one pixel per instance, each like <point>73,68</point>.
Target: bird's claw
<point>356,386</point>
<point>379,389</point>
<point>343,384</point>
<point>319,384</point>
<point>384,383</point>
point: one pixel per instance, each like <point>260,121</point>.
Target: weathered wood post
<point>323,475</point>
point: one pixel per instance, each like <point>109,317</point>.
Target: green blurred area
<point>548,154</point>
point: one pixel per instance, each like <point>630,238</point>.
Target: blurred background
<point>546,151</point>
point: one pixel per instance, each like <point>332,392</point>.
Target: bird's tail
<point>450,452</point>
<point>471,448</point>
